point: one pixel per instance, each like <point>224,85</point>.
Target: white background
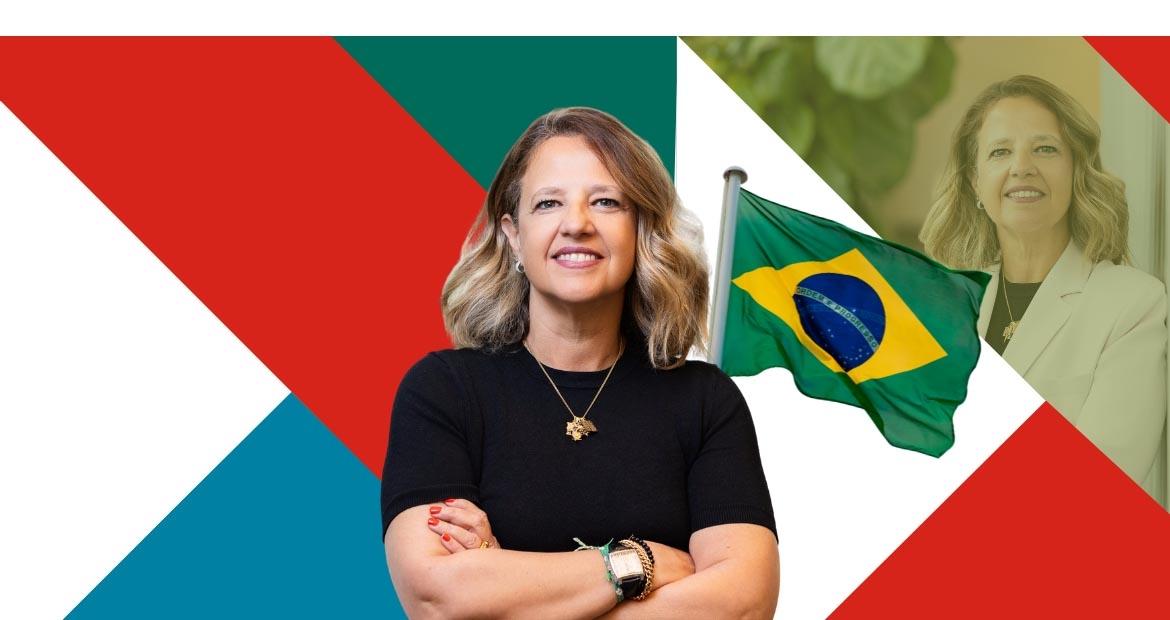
<point>683,17</point>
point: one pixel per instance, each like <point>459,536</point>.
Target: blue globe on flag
<point>843,315</point>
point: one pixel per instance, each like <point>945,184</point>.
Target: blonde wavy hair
<point>958,234</point>
<point>485,300</point>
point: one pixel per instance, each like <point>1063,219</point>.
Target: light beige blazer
<point>1093,344</point>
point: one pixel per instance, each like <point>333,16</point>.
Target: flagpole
<point>733,177</point>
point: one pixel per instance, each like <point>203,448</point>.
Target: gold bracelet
<point>647,566</point>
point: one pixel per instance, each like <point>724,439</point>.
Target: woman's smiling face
<point>1024,170</point>
<point>574,231</point>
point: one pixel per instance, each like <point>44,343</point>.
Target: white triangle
<point>844,499</point>
<point>119,390</point>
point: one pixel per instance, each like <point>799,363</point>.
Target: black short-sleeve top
<point>675,450</point>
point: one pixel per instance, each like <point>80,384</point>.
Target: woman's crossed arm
<point>734,573</point>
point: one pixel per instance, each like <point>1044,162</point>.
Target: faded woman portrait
<point>1024,196</point>
<point>566,460</point>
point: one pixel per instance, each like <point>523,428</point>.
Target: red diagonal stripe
<point>1142,62</point>
<point>1048,527</point>
<point>280,183</point>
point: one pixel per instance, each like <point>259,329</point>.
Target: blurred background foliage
<point>848,105</point>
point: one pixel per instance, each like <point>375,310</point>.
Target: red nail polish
<point>432,521</point>
<point>436,509</point>
<point>449,501</point>
<point>446,537</point>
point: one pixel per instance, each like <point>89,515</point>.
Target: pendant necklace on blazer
<point>578,428</point>
<point>1010,330</point>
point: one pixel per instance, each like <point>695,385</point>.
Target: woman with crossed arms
<point>566,460</point>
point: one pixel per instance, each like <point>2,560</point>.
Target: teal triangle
<point>475,95</point>
<point>287,526</point>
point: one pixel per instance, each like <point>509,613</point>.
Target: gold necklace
<point>578,428</point>
<point>1010,330</point>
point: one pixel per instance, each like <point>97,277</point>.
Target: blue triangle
<point>288,525</point>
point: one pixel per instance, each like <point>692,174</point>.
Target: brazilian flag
<point>857,320</point>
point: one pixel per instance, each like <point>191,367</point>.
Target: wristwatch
<point>628,572</point>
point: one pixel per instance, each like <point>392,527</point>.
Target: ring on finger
<point>483,544</point>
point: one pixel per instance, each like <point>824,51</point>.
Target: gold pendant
<point>1010,331</point>
<point>578,428</point>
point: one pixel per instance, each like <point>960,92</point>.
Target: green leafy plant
<point>847,105</point>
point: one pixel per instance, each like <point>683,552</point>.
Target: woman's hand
<point>670,564</point>
<point>461,525</point>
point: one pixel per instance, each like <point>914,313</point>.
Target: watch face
<point>625,564</point>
